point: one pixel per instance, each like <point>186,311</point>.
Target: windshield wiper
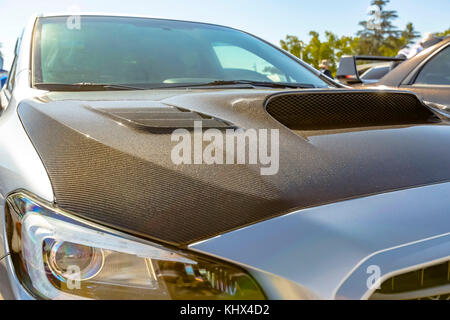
<point>88,86</point>
<point>84,86</point>
<point>250,83</point>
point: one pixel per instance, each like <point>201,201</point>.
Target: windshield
<point>155,53</point>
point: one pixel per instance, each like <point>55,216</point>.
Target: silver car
<point>96,202</point>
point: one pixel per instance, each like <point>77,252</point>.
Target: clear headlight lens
<point>59,256</point>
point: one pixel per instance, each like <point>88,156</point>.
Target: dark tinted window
<point>122,50</point>
<point>375,73</point>
<point>437,70</point>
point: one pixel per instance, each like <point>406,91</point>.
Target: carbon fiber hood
<point>120,173</point>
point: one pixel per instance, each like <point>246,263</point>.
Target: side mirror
<point>347,72</point>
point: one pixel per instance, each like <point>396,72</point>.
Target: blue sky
<point>269,19</point>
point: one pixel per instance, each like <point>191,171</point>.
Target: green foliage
<point>384,39</point>
<point>392,45</point>
<point>443,34</point>
<point>293,45</point>
<point>316,50</point>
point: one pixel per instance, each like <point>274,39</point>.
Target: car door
<point>431,80</point>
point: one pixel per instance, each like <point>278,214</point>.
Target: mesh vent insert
<point>346,109</point>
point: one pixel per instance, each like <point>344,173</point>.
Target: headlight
<point>59,256</point>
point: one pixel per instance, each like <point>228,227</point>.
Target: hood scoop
<point>167,117</point>
<point>337,109</point>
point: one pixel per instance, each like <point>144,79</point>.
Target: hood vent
<point>161,117</point>
<point>427,283</point>
<point>333,109</point>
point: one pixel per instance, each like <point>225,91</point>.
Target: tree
<point>378,37</point>
<point>443,34</point>
<point>377,29</point>
<point>409,34</point>
<point>316,50</point>
<point>393,44</point>
<point>293,45</point>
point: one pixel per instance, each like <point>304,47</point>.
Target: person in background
<point>324,68</point>
<point>427,39</point>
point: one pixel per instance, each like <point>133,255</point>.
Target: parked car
<point>427,74</point>
<point>375,72</point>
<point>94,203</point>
<point>357,75</point>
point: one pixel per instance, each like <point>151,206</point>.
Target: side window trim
<point>12,73</point>
<point>11,77</point>
<point>426,85</point>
